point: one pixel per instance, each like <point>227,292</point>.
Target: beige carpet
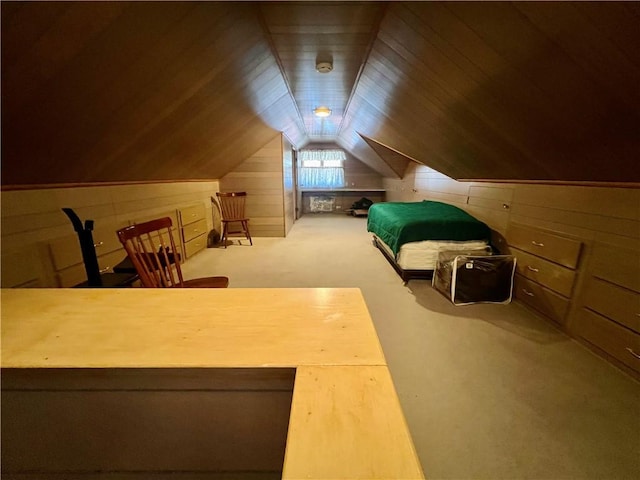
<point>489,391</point>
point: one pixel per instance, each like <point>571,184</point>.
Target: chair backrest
<point>152,250</point>
<point>232,205</point>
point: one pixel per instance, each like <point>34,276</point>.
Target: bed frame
<point>406,275</point>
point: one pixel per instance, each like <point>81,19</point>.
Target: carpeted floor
<point>489,391</point>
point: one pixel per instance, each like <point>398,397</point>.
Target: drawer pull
<point>531,269</point>
<point>99,244</point>
<point>630,350</point>
<point>105,269</point>
<point>528,293</point>
<point>537,244</point>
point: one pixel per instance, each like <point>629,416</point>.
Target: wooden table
<point>136,346</point>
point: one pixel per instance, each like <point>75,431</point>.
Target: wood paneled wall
<point>261,176</point>
<point>360,175</point>
<point>357,174</point>
<point>288,182</point>
<point>33,218</point>
<point>603,218</point>
<point>603,214</point>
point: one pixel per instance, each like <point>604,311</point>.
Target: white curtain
<point>321,168</point>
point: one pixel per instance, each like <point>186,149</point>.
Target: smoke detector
<point>324,67</point>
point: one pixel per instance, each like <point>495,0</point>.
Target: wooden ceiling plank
<point>397,161</point>
<point>357,147</point>
<point>64,38</point>
<point>340,32</point>
<point>598,130</point>
<point>418,107</point>
<point>395,133</point>
<point>566,155</point>
<point>128,85</point>
<point>201,123</point>
<point>185,78</point>
<point>63,101</point>
<point>522,126</point>
<point>564,83</point>
<point>22,24</point>
<point>567,26</point>
<point>179,131</point>
<point>134,90</point>
<point>617,22</point>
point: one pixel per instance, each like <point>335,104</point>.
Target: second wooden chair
<point>232,206</point>
<point>152,250</point>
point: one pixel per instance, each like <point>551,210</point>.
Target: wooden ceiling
<point>145,91</point>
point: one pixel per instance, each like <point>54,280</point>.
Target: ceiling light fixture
<point>322,112</point>
<point>324,67</point>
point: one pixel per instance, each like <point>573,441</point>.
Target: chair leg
<point>224,234</point>
<point>245,226</point>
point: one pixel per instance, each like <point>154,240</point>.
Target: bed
<point>410,234</point>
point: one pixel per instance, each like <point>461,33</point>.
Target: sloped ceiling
<point>144,91</point>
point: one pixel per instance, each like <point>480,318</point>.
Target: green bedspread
<point>397,223</point>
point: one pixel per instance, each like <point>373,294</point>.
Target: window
<point>321,168</point>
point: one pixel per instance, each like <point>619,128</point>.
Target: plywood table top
<point>344,403</point>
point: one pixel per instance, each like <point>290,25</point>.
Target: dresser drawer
<point>548,274</point>
<point>20,268</point>
<point>562,250</point>
<point>173,215</point>
<point>617,303</point>
<point>194,245</point>
<point>617,265</point>
<point>541,299</point>
<point>66,251</point>
<point>194,230</point>
<point>157,240</point>
<point>191,214</point>
<point>76,274</point>
<point>619,342</point>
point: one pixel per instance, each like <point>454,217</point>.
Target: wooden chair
<point>152,250</point>
<point>232,205</point>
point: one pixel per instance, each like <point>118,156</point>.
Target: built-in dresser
<point>193,228</point>
<point>546,269</point>
<point>173,215</point>
<point>609,315</point>
<point>65,255</point>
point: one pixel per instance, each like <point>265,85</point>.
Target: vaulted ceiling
<point>143,91</point>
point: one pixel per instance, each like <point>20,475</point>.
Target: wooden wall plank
<point>264,186</point>
<point>592,213</point>
<point>32,219</point>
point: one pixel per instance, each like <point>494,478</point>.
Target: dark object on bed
<point>467,279</point>
<point>397,223</point>
<point>360,208</point>
<point>362,204</point>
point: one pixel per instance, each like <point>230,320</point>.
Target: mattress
<point>398,223</point>
<point>423,255</point>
